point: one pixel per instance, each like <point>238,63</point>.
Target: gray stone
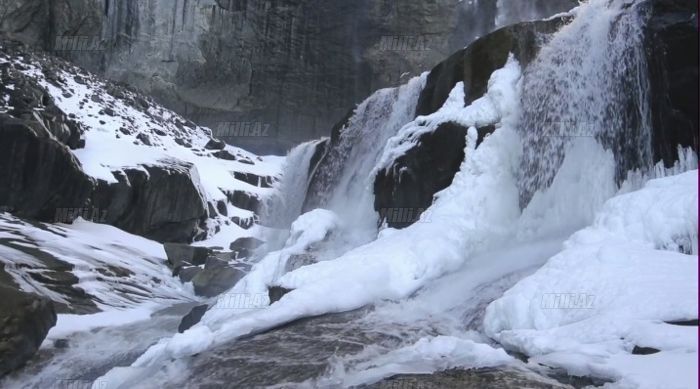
<point>25,319</point>
<point>492,378</point>
<point>187,273</point>
<point>178,253</point>
<point>298,260</point>
<point>216,278</point>
<point>243,247</point>
<point>192,318</point>
<point>275,293</point>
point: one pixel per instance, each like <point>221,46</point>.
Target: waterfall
<point>281,209</point>
<point>342,182</point>
<point>589,81</point>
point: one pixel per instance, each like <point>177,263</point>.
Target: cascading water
<point>342,183</point>
<point>589,81</point>
<point>280,210</point>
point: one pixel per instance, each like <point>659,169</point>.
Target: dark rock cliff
<point>672,55</point>
<point>293,67</point>
<point>26,318</point>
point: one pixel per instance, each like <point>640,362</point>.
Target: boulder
<point>245,223</point>
<point>160,202</point>
<point>243,247</point>
<point>25,319</point>
<point>192,318</point>
<point>275,293</point>
<point>250,178</point>
<point>39,176</point>
<point>215,144</point>
<point>406,189</point>
<point>216,278</point>
<point>638,350</point>
<point>179,253</point>
<point>244,200</point>
<point>187,273</point>
<point>298,260</point>
<point>686,323</point>
<point>224,154</point>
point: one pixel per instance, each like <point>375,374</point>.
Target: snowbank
<point>612,288</point>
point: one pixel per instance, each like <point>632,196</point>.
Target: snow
<point>92,249</point>
<point>312,227</point>
<point>637,263</point>
<point>478,211</point>
<point>108,150</point>
<point>500,101</point>
<point>580,304</point>
<point>67,324</point>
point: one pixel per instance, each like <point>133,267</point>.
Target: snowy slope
<point>113,270</point>
<point>123,129</point>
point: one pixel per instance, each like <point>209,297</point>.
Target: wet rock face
<point>475,64</point>
<point>158,202</point>
<point>257,361</point>
<point>494,378</point>
<point>293,67</point>
<point>192,318</point>
<point>406,189</point>
<point>672,41</point>
<point>38,174</point>
<point>25,320</point>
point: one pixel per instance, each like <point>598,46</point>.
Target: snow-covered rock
<point>86,267</point>
<point>616,285</point>
<point>96,144</point>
